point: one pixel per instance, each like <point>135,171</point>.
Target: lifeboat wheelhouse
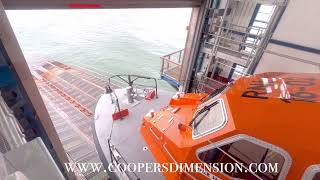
<point>262,120</point>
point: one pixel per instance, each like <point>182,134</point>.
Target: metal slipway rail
<point>76,138</point>
<point>103,78</point>
<point>72,126</point>
<point>87,74</point>
<point>77,87</point>
<point>100,79</point>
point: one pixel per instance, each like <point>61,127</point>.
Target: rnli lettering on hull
<point>286,89</point>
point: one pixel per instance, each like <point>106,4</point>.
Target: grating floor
<point>173,73</point>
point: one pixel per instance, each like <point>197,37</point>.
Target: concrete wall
<point>298,28</point>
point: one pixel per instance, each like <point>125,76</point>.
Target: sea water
<point>107,41</point>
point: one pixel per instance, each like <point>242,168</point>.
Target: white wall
<point>275,63</point>
<point>298,25</point>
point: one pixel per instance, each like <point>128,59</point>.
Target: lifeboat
<point>263,126</point>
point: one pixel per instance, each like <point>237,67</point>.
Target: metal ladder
<point>226,40</point>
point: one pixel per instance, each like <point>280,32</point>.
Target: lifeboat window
<point>209,119</point>
<point>244,153</point>
<point>312,173</point>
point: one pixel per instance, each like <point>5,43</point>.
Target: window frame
<point>310,172</point>
<point>287,158</point>
<point>211,130</point>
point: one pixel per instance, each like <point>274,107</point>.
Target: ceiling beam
<point>103,4</point>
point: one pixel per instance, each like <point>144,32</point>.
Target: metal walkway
<point>171,68</point>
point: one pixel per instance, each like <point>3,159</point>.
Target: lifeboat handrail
<point>116,156</point>
<point>113,96</point>
<point>131,81</point>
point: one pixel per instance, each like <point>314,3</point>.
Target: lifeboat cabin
<point>270,118</point>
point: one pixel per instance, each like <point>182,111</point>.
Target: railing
<point>228,45</point>
<point>238,41</point>
<point>171,65</point>
<point>130,80</point>
<point>207,85</point>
